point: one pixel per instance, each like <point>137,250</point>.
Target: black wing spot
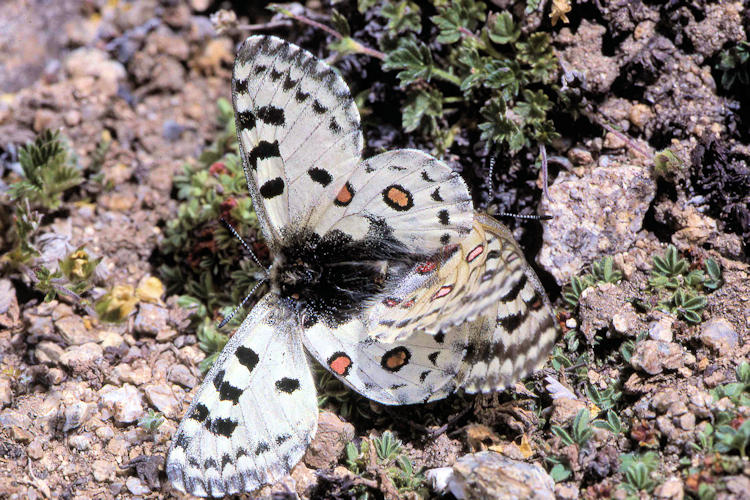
<point>271,115</point>
<point>319,175</point>
<point>226,459</point>
<point>223,426</point>
<point>436,195</point>
<point>240,86</point>
<point>272,188</point>
<point>423,375</point>
<point>210,463</point>
<point>200,412</point>
<point>515,290</point>
<point>282,438</point>
<point>433,357</point>
<point>247,357</point>
<point>511,323</point>
<point>275,74</point>
<point>262,151</point>
<point>445,239</point>
<point>246,120</point>
<point>289,84</point>
<point>395,359</point>
<point>300,96</point>
<point>218,379</point>
<point>288,385</point>
<point>426,177</point>
<point>318,107</point>
<point>228,392</point>
<point>440,337</point>
<point>334,126</point>
<point>262,448</point>
<point>443,217</point>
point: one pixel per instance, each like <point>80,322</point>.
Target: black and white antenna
<point>257,261</point>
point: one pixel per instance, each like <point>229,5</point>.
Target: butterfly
<point>382,272</point>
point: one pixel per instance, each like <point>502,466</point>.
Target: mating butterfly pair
<point>382,272</point>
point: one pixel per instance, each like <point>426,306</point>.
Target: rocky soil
<point>75,390</point>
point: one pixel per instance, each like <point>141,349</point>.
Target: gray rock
<point>72,329</point>
<point>490,475</point>
<point>136,486</point>
<point>151,319</point>
<point>125,403</point>
<point>76,414</point>
<point>330,440</point>
<point>48,352</point>
<point>180,374</point>
<point>79,356</point>
<point>599,213</point>
<point>652,356</point>
<point>720,335</point>
<point>162,399</point>
<point>81,442</point>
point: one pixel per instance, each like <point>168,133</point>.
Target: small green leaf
<point>559,473</point>
<point>414,58</point>
<point>502,29</point>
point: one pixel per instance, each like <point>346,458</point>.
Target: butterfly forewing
<point>298,130</point>
<point>254,414</point>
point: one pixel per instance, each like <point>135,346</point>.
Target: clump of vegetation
<point>638,471</point>
<point>602,271</point>
<point>383,453</point>
<point>679,288</point>
<point>117,304</point>
<point>466,54</point>
<point>734,64</point>
<point>49,169</point>
<point>201,256</point>
<point>151,421</point>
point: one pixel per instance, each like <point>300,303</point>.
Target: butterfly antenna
<point>244,244</point>
<point>521,216</point>
<point>242,304</point>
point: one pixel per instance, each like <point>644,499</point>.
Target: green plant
<point>467,54</point>
<point>49,169</point>
<point>389,456</point>
<point>602,271</point>
<point>604,399</point>
<point>705,439</point>
<point>560,472</point>
<point>580,430</point>
<point>211,341</point>
<point>151,421</point>
<point>730,438</point>
<point>680,289</point>
<point>612,423</point>
<point>738,392</point>
<point>637,471</point>
<point>734,64</point>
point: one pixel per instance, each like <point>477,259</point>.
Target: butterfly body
<point>382,272</point>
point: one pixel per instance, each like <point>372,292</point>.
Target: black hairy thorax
<point>332,278</point>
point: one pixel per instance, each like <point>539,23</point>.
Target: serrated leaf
<point>502,29</point>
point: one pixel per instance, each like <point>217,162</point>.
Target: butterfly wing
<point>516,327</point>
<point>254,414</point>
<point>418,200</point>
<point>298,130</point>
<point>418,369</point>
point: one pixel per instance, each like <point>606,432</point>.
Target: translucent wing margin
<point>254,414</point>
<point>298,130</point>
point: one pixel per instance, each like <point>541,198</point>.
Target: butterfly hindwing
<point>254,414</point>
<point>418,369</point>
<point>298,130</point>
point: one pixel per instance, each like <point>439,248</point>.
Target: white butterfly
<point>382,270</point>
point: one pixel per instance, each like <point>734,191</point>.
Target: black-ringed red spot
<point>391,302</point>
<point>398,198</point>
<point>345,196</point>
<point>340,363</point>
<point>443,291</point>
<point>426,267</point>
<point>395,359</point>
<point>536,302</point>
<point>476,252</point>
<point>407,304</point>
